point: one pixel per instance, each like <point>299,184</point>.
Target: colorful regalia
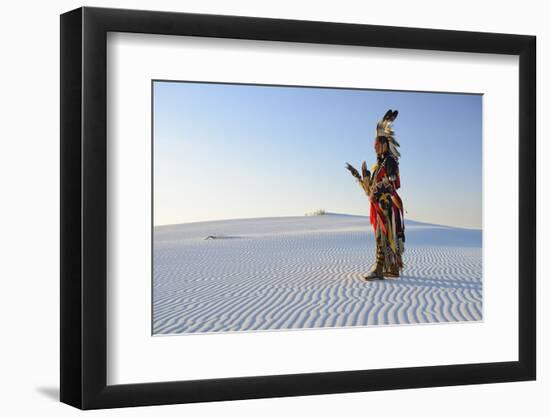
<point>386,207</point>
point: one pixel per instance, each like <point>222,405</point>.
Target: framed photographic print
<point>259,207</point>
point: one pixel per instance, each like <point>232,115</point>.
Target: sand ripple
<point>306,272</point>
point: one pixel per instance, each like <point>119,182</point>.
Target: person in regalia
<point>386,207</point>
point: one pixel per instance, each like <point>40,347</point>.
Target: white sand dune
<point>307,272</point>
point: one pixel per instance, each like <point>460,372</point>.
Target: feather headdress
<point>384,129</point>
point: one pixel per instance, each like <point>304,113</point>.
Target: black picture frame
<point>84,207</point>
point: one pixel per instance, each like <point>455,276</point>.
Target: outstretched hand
<point>353,171</point>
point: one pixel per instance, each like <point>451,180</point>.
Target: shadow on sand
<point>442,283</point>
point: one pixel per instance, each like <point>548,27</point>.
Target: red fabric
<point>375,211</point>
<point>396,196</point>
<point>373,216</point>
<point>380,174</point>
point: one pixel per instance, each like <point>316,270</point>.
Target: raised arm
<point>364,181</point>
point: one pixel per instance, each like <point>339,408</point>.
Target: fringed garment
<point>386,213</point>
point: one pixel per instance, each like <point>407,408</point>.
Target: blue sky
<point>226,151</point>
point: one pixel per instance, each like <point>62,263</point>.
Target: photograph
<point>301,207</point>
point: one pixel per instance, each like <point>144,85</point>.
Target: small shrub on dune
<point>319,212</point>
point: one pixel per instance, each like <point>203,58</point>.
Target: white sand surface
<point>307,272</point>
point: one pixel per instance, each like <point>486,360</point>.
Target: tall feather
<point>364,170</point>
<point>384,128</point>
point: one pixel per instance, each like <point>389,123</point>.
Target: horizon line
<point>309,215</point>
